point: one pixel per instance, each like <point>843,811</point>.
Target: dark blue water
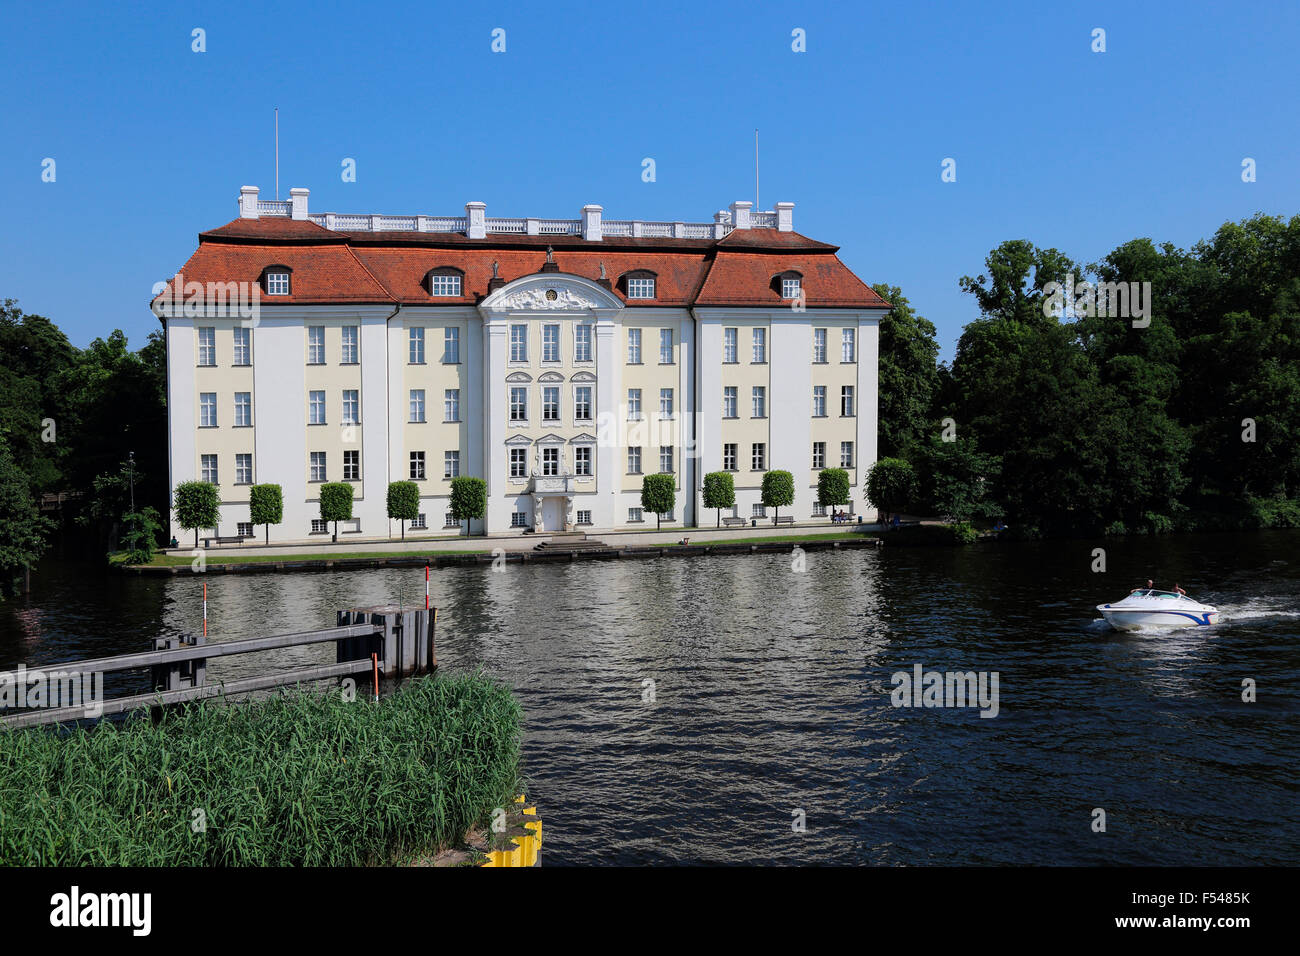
<point>772,695</point>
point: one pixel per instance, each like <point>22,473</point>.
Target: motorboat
<point>1145,608</point>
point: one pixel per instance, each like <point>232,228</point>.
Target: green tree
<point>197,504</point>
<point>23,529</point>
<point>265,507</point>
<point>336,503</point>
<point>658,494</point>
<point>891,485</point>
<point>403,503</point>
<point>468,500</point>
<point>954,479</point>
<point>832,487</point>
<point>719,492</point>
<point>908,376</point>
<point>141,536</point>
<point>777,491</point>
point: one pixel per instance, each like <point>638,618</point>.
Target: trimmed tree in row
<point>833,487</point>
<point>468,500</point>
<point>658,494</point>
<point>719,492</point>
<point>778,491</point>
<point>336,503</point>
<point>265,507</point>
<point>403,503</point>
<point>197,505</point>
<point>891,485</point>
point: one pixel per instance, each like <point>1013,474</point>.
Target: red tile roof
<point>388,267</point>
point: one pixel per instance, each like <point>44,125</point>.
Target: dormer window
<point>275,280</point>
<point>445,281</point>
<point>789,284</point>
<point>639,284</point>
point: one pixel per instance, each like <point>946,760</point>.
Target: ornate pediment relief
<point>551,292</point>
<point>519,377</point>
<point>550,377</point>
<point>582,377</point>
<point>583,439</point>
<point>519,440</point>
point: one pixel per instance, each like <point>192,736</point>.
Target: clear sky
<point>1052,142</point>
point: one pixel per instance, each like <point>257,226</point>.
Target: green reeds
<point>300,779</point>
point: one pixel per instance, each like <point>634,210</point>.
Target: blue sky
<point>1053,142</point>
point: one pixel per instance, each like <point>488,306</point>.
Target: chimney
<point>476,215</point>
<point>591,222</point>
<point>740,213</point>
<point>785,217</point>
<point>298,202</point>
<point>247,202</point>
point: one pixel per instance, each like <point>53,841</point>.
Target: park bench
<point>784,519</point>
<point>733,522</point>
<point>224,539</point>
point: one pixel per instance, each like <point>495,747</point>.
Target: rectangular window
<point>819,454</point>
<point>351,406</point>
<point>790,288</point>
<point>318,466</point>
<point>451,405</point>
<point>758,457</point>
<point>419,522</point>
<point>316,345</point>
<point>666,459</point>
<point>848,346</point>
<point>319,526</point>
<point>243,347</point>
<point>760,346</point>
<point>550,461</point>
<point>417,466</point>
<point>634,461</point>
<point>846,401</point>
<point>729,401</point>
<point>244,469</point>
<point>451,345</point>
<point>518,519</point>
<point>316,407</point>
<point>207,346</point>
<point>846,454</point>
<point>417,405</point>
<point>760,401</point>
<point>641,288</point>
<point>244,529</point>
<point>582,461</point>
<point>451,464</point>
<point>550,403</point>
<point>416,355</point>
<point>819,345</point>
<point>665,346</point>
<point>582,403</point>
<point>633,346</point>
<point>584,517</point>
<point>277,283</point>
<point>519,343</point>
<point>634,516</point>
<point>634,404</point>
<point>665,403</point>
<point>352,466</point>
<point>444,285</point>
<point>550,343</point>
<point>729,345</point>
<point>819,401</point>
<point>518,462</point>
<point>448,521</point>
<point>351,349</point>
<point>207,409</point>
<point>819,510</point>
<point>518,404</point>
<point>208,468</point>
<point>729,456</point>
<point>243,409</point>
<point>582,343</point>
<point>758,511</point>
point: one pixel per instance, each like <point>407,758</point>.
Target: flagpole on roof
<point>757,206</point>
<point>277,154</point>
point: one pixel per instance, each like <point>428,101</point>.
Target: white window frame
<point>551,403</point>
<point>848,345</point>
<point>819,401</point>
<point>760,346</point>
<point>640,287</point>
<point>550,461</point>
<point>730,339</point>
<point>415,347</point>
<point>243,409</point>
<point>243,348</point>
<point>208,468</point>
<point>634,404</point>
<point>819,346</point>
<point>758,398</point>
<point>582,403</point>
<point>633,346</point>
<point>730,401</point>
<point>415,469</point>
<point>416,406</point>
<point>846,454</point>
<point>318,466</point>
<point>518,403</point>
<point>583,461</point>
<point>243,468</point>
<point>277,283</point>
<point>791,287</point>
<point>666,460</point>
<point>351,397</point>
<point>207,349</point>
<point>352,469</point>
<point>634,460</point>
<point>665,403</point>
<point>635,516</point>
<point>848,408</point>
<point>519,343</point>
<point>316,406</point>
<point>315,345</point>
<point>451,345</point>
<point>819,454</point>
<point>451,405</point>
<point>758,456</point>
<point>730,456</point>
<point>582,342</point>
<point>351,345</point>
<point>518,462</point>
<point>207,409</point>
<point>665,346</point>
<point>451,464</point>
<point>550,342</point>
<point>444,285</point>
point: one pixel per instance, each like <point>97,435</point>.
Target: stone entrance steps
<point>563,542</point>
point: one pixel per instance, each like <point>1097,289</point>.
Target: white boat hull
<point>1151,609</point>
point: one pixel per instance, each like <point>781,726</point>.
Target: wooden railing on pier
<point>388,641</point>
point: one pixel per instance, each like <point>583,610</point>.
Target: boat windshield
<point>1174,595</point>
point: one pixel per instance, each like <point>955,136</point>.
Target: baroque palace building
<point>559,360</point>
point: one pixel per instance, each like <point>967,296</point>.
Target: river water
<point>698,710</point>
